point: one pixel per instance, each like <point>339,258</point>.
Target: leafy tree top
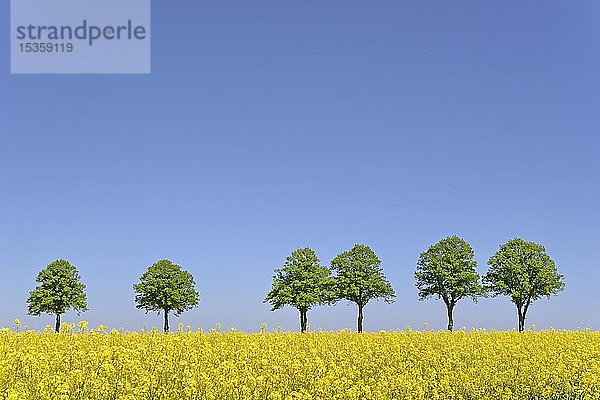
<point>523,271</point>
<point>447,270</point>
<point>59,290</point>
<point>301,283</point>
<point>166,287</point>
<point>359,276</point>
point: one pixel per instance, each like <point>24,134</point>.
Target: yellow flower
<point>418,365</point>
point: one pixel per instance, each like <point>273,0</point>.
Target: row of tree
<point>447,270</point>
<point>164,287</point>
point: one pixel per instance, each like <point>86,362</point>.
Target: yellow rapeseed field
<point>102,364</point>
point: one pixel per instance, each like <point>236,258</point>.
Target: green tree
<point>447,270</point>
<point>58,291</point>
<point>166,287</point>
<point>359,278</point>
<point>524,272</point>
<point>301,283</point>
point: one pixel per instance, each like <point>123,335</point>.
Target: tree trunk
<point>360,318</point>
<point>521,315</point>
<point>166,326</point>
<point>450,308</point>
<point>524,313</point>
<point>57,325</point>
<point>303,320</point>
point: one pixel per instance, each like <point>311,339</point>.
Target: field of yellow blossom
<point>102,364</point>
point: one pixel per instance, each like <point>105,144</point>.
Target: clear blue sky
<point>270,125</point>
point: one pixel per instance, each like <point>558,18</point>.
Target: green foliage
<point>301,283</point>
<point>447,270</point>
<point>524,272</point>
<point>58,291</point>
<point>359,277</point>
<point>166,287</point>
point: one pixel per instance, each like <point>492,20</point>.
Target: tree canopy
<point>59,290</point>
<point>448,270</point>
<point>359,278</point>
<point>302,283</point>
<point>166,287</point>
<point>524,272</point>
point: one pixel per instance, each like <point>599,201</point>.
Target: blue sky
<point>271,125</point>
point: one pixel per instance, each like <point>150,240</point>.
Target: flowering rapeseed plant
<point>98,364</point>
